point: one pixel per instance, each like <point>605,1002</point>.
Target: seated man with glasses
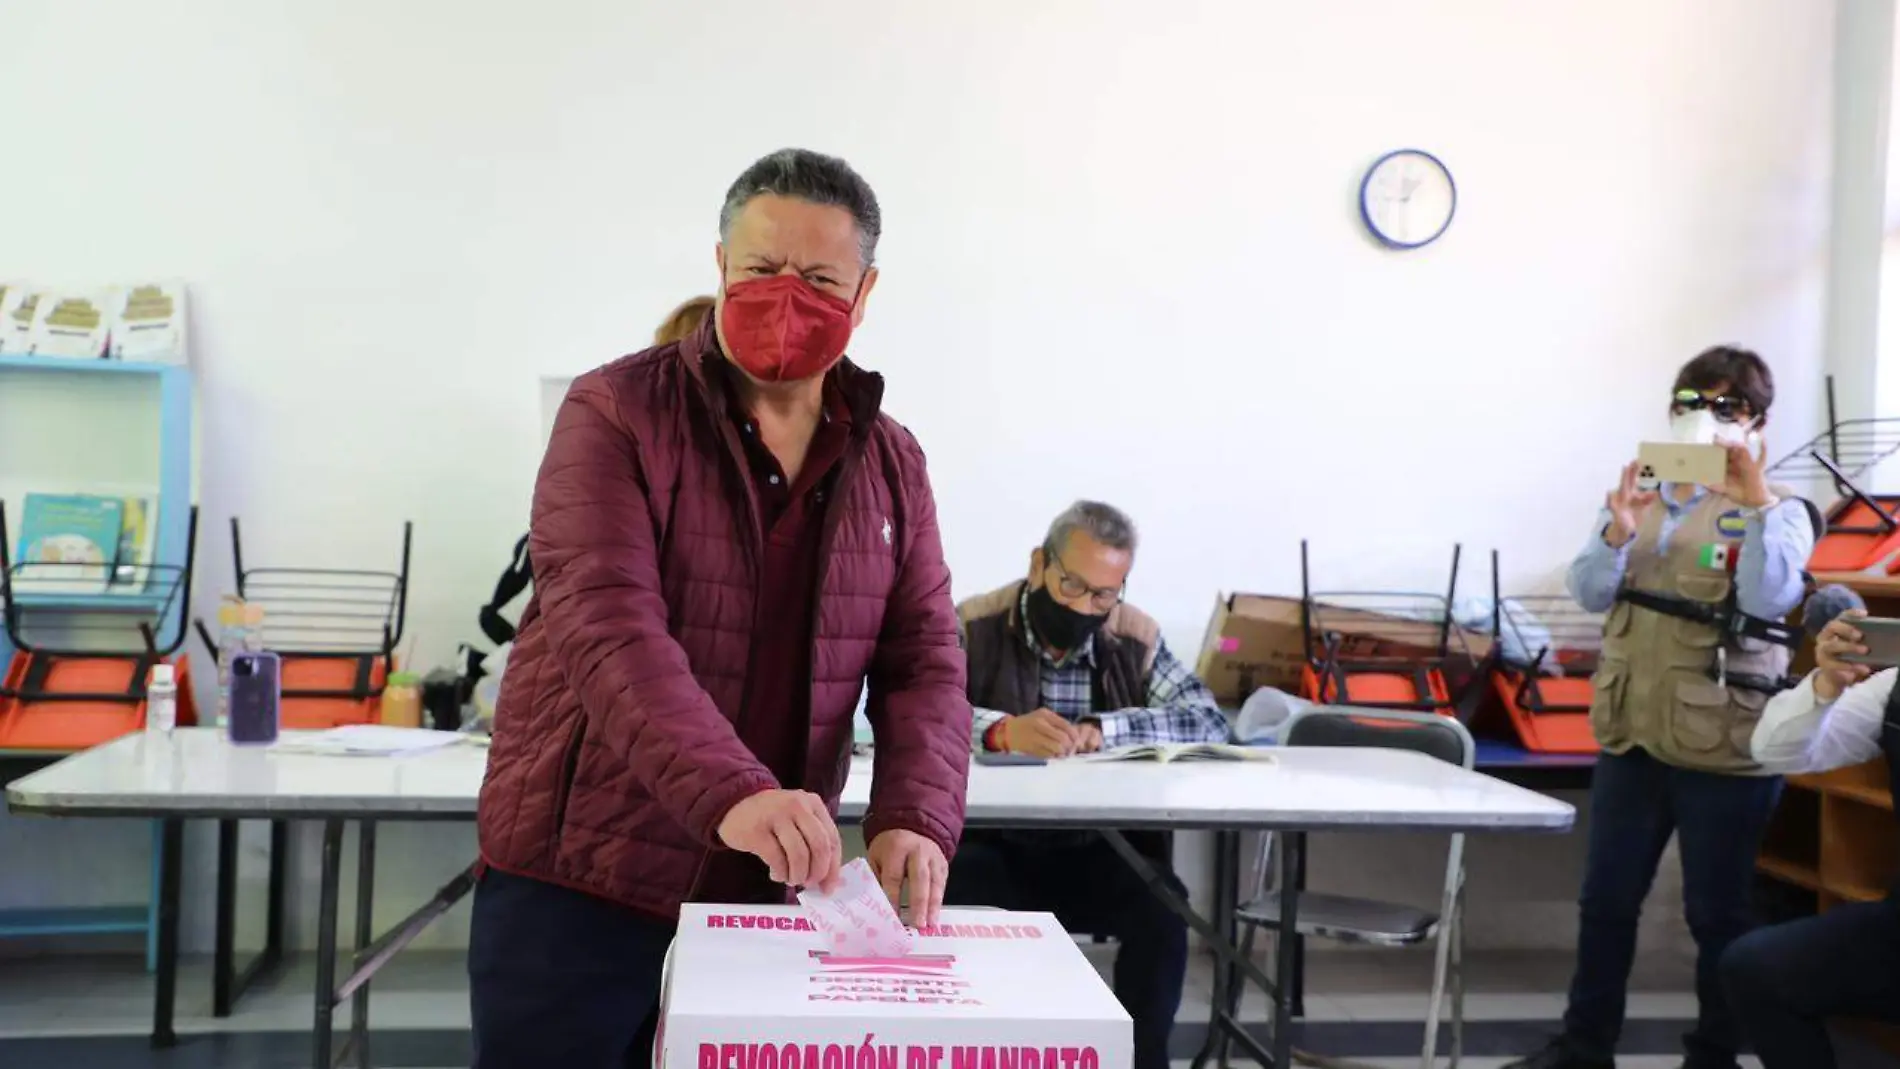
<point>1059,665</point>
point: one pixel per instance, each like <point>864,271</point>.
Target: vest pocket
<point>1617,623</point>
<point>1746,712</point>
<point>1606,699</point>
<point>1700,720</point>
<point>1711,588</point>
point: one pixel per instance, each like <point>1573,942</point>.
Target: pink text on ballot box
<point>760,987</point>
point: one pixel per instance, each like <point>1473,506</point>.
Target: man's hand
<point>1625,504</point>
<point>1831,674</point>
<point>792,832</point>
<point>902,857</point>
<point>1748,476</point>
<point>1042,733</point>
<point>1088,737</point>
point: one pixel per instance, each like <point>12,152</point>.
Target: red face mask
<point>780,329</point>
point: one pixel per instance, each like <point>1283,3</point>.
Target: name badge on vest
<point>1731,524</point>
<point>1720,556</point>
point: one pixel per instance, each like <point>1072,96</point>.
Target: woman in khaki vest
<point>1677,699</point>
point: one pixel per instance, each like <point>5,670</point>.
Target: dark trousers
<point>557,977</point>
<point>1091,890</point>
<point>1636,803</point>
<point>1784,982</point>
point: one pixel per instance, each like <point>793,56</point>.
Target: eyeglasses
<point>1071,587</point>
<point>1726,409</point>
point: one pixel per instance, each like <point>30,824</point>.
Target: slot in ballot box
<point>757,987</point>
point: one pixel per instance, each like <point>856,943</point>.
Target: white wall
<point>1122,250</point>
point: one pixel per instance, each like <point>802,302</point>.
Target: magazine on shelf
<point>71,324</point>
<point>1167,753</point>
<point>17,307</point>
<point>138,532</point>
<point>68,543</point>
<point>148,322</point>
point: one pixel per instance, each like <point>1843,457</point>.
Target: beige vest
<point>1655,684</point>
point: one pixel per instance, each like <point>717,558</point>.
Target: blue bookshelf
<point>174,398</point>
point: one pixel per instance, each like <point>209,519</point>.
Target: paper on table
<point>366,740</point>
<point>856,918</point>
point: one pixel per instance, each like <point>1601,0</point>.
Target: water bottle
<point>161,700</point>
<point>230,643</point>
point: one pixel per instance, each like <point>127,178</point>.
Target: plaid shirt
<point>1180,707</point>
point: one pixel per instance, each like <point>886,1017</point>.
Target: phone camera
<point>244,667</point>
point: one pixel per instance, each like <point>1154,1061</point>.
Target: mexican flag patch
<point>1720,556</point>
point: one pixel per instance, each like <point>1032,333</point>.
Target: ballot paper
<point>365,740</point>
<point>856,917</point>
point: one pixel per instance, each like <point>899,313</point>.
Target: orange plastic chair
<point>61,723</point>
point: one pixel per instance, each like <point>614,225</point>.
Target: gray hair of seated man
<point>1104,523</point>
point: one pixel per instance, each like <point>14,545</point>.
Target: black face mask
<point>1059,626</point>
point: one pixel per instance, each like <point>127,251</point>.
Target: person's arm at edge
<point>1180,709</point>
<point>1597,570</point>
<point>918,707</point>
<point>1776,544</point>
<point>981,723</point>
<point>597,581</point>
<point>1799,732</point>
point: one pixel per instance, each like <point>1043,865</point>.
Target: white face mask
<point>1702,428</point>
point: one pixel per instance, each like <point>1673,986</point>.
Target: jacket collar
<point>863,391</point>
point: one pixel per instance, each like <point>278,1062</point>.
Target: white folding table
<point>194,774</point>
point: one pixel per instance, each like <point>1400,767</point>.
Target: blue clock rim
<point>1365,213</point>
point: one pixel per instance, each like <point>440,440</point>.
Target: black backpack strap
<point>514,579</point>
<point>1724,617</point>
<point>1815,520</point>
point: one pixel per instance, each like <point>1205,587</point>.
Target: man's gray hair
<point>809,176</point>
<point>1104,523</point>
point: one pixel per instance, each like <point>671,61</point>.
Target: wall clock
<point>1407,199</point>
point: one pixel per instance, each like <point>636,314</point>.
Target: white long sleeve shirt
<point>1800,733</point>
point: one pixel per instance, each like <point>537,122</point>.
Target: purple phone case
<point>255,698</point>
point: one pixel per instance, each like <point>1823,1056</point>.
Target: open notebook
<point>1197,751</point>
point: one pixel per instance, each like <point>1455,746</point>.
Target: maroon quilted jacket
<point>620,736</point>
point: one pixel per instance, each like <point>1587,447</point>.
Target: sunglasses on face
<point>1727,408</point>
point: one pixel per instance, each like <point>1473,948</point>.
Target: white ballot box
<point>756,987</point>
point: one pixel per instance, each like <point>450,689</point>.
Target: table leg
<point>228,984</point>
<point>322,1036</point>
<point>1226,891</point>
<point>1222,946</point>
<point>171,861</point>
<point>1297,991</point>
<point>1292,862</point>
<point>274,908</point>
<point>223,943</point>
<point>365,903</point>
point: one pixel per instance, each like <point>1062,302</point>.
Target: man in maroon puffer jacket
<point>729,542</point>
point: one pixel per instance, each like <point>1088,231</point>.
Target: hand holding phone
<point>1836,642</point>
<point>1867,641</point>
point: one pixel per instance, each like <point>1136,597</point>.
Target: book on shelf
<point>18,304</point>
<point>143,323</point>
<point>138,532</point>
<point>1167,753</point>
<point>148,322</point>
<point>73,324</point>
<point>68,543</point>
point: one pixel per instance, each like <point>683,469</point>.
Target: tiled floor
<point>1365,1006</point>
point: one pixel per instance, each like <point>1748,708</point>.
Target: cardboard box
<point>1252,641</point>
<point>754,987</point>
<point>1255,640</point>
